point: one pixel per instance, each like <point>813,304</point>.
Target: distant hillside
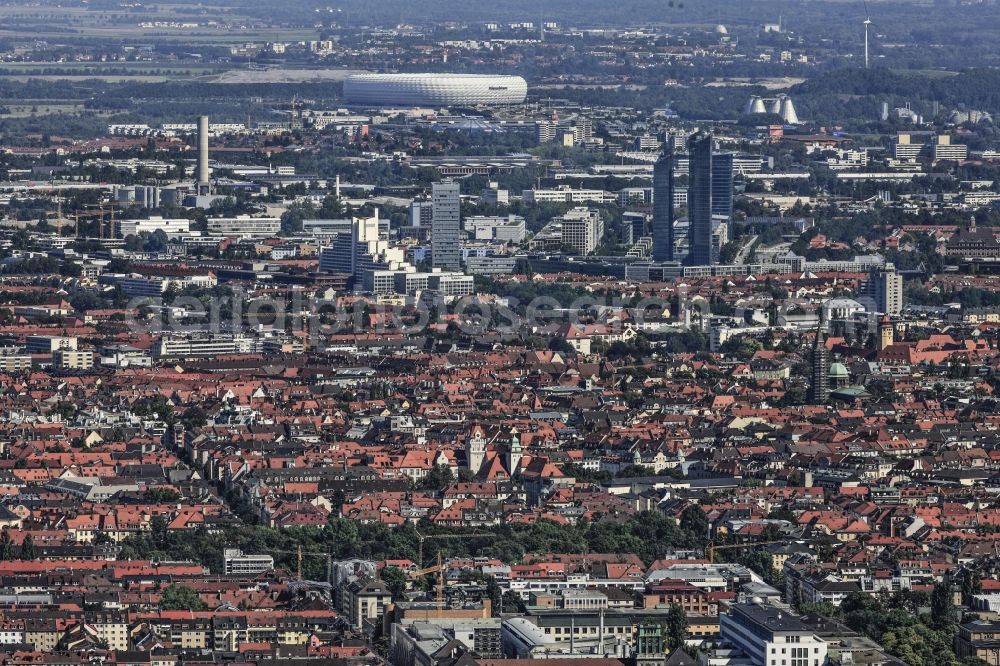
<point>582,12</point>
<point>969,89</point>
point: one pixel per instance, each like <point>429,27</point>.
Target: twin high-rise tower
<point>663,203</point>
<point>710,195</point>
<point>700,200</point>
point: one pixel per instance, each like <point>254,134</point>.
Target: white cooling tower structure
<point>781,105</point>
<point>788,112</point>
<point>756,105</point>
<point>204,184</point>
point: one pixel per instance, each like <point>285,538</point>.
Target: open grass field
<point>152,72</point>
<point>285,75</point>
<point>40,109</point>
<point>123,67</point>
<point>771,83</point>
<point>113,78</point>
<point>154,35</point>
<point>109,72</point>
<point>929,73</point>
<point>215,26</point>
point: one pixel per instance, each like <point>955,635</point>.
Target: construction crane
<point>299,554</point>
<point>439,570</point>
<point>59,217</point>
<point>97,211</point>
<point>54,193</point>
<point>295,116</point>
<point>421,537</point>
<point>710,550</point>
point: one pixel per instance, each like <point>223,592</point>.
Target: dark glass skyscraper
<point>700,200</point>
<point>722,185</point>
<point>663,204</point>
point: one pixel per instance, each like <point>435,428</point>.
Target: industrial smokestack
<point>203,181</point>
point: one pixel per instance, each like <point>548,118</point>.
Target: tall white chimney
<point>203,179</point>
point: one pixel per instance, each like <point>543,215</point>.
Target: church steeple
<point>475,448</point>
<point>819,390</point>
<point>514,452</point>
<point>886,333</point>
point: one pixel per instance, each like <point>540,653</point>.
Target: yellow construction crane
<point>439,570</point>
<point>54,193</point>
<point>299,554</point>
<point>710,551</point>
<point>97,211</point>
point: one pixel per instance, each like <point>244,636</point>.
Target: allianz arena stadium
<point>434,89</point>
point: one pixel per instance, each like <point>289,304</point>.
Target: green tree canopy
<point>178,597</point>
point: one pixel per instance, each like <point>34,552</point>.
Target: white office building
<point>568,195</point>
<point>73,359</point>
<point>491,264</point>
<point>153,286</point>
<point>884,288</point>
<point>772,636</point>
<point>244,226</point>
<point>239,563</point>
<point>505,229</point>
<point>582,230</point>
<point>944,149</point>
<point>410,282</point>
<point>137,286</point>
<point>364,249</point>
<point>48,344</point>
<point>326,229</point>
<point>378,267</point>
<point>173,227</point>
<point>13,361</point>
<point>451,284</point>
<point>204,346</point>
